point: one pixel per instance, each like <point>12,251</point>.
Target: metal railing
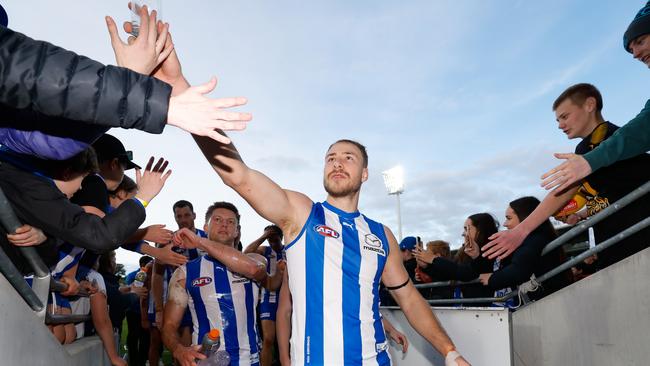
<point>563,239</point>
<point>36,295</point>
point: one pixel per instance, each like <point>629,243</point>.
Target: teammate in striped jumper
<point>274,253</point>
<point>221,290</point>
<point>336,258</point>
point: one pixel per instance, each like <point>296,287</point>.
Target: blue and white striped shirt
<point>224,300</point>
<point>272,259</point>
<point>335,266</point>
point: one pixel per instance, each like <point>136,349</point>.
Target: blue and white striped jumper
<point>335,266</point>
<point>224,300</point>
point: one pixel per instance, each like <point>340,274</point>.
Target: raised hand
<point>562,176</point>
<point>158,234</point>
<point>503,243</point>
<point>145,52</point>
<point>152,180</point>
<point>471,248</point>
<point>186,238</point>
<point>424,255</point>
<point>167,255</point>
<point>193,112</point>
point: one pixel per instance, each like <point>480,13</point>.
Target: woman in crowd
<point>527,259</point>
<point>468,263</point>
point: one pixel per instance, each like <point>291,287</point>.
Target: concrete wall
<point>25,340</point>
<point>601,320</point>
<point>482,335</point>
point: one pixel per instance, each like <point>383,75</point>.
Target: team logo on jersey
<point>327,231</point>
<point>201,281</point>
<point>373,244</point>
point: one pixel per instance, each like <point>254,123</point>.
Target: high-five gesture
<point>152,180</point>
<point>195,113</point>
<point>145,52</point>
<point>570,171</point>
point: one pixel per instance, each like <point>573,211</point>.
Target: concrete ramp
<point>602,320</point>
<point>481,334</point>
<point>25,340</point>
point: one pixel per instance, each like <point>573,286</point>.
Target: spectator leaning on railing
<point>630,140</point>
<point>527,259</point>
<point>578,113</point>
<point>468,264</point>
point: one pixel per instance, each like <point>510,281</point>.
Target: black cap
<point>4,18</point>
<point>639,26</point>
<point>109,147</point>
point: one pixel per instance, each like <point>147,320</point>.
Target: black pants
<point>137,340</point>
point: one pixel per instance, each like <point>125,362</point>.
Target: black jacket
<point>37,77</point>
<point>38,202</point>
<point>526,260</point>
<point>445,270</point>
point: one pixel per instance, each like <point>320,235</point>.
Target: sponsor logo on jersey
<point>201,281</point>
<point>237,278</point>
<point>327,231</point>
<point>373,244</point>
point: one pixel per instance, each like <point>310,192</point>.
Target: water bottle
<point>211,342</point>
<point>139,279</point>
<point>218,358</point>
<point>210,347</point>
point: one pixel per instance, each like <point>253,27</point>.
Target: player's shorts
<point>268,310</point>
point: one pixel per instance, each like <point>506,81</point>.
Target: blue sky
<point>458,92</point>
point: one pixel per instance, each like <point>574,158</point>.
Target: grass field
<point>166,356</point>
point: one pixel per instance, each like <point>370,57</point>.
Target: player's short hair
<point>364,153</point>
<point>221,204</point>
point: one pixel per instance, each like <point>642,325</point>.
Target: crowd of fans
<point>78,207</point>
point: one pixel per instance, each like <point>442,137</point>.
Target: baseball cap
<point>109,147</point>
<point>408,243</point>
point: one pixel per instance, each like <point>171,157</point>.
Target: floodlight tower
<point>394,182</point>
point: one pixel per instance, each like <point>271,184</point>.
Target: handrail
<point>598,248</point>
<point>53,319</point>
<point>12,274</point>
<point>608,211</point>
<point>58,286</point>
<point>577,229</point>
<point>446,283</point>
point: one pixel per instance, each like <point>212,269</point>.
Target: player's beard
<point>338,191</point>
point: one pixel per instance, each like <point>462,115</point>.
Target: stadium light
<point>394,182</point>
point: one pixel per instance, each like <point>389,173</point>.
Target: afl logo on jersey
<point>327,231</point>
<point>201,281</point>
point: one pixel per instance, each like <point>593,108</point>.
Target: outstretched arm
<point>417,311</point>
<point>229,256</point>
<point>503,243</point>
<point>628,141</point>
<point>287,209</point>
